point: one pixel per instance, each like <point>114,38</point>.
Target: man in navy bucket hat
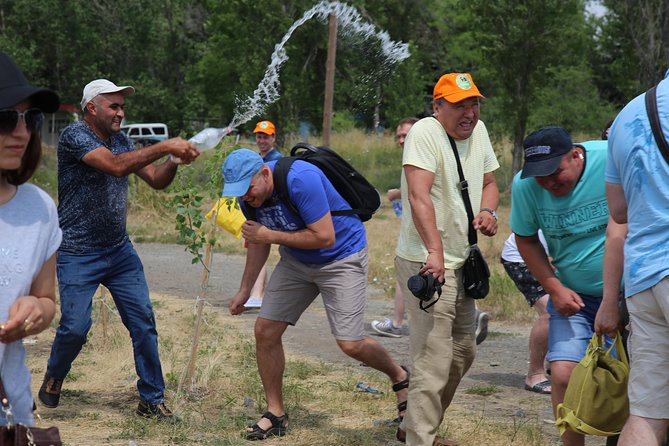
<point>320,254</point>
<point>561,190</point>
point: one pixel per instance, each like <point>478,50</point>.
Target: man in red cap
<point>433,241</point>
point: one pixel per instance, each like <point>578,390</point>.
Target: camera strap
<point>434,301</point>
<point>464,189</point>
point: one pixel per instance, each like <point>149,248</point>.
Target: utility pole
<point>329,78</point>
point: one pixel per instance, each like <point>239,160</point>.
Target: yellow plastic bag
<point>596,402</point>
<point>229,216</point>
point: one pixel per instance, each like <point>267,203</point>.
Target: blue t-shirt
<point>636,163</point>
<point>313,195</point>
<point>92,205</point>
<point>574,225</point>
<point>272,155</point>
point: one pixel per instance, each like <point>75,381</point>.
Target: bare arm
<point>255,259</point>
<point>565,300</point>
<point>133,161</point>
<point>317,235</point>
<point>617,202</point>
<point>33,313</point>
<point>484,221</point>
<point>607,320</point>
<point>419,184</point>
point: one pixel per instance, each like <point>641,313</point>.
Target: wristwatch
<point>492,212</point>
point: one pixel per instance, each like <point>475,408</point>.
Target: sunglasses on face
<point>9,119</point>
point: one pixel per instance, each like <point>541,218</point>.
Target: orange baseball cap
<point>454,87</point>
<point>265,127</point>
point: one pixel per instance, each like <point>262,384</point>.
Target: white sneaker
<point>386,328</point>
<point>253,302</point>
<point>481,326</point>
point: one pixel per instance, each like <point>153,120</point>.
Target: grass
<point>226,394</point>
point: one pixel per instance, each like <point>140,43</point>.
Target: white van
<point>146,134</point>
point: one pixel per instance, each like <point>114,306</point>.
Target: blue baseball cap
<point>544,150</point>
<point>238,169</point>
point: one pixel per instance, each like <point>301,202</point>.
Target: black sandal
<point>401,407</point>
<point>277,429</point>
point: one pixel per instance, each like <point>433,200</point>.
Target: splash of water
<point>348,18</point>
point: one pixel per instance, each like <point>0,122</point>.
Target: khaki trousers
<point>442,347</point>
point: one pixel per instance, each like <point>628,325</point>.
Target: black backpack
<point>363,198</point>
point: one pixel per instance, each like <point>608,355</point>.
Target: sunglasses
<point>9,119</point>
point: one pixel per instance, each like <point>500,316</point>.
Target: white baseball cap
<point>102,86</point>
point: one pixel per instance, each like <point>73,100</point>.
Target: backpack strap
<point>280,177</point>
<point>654,118</point>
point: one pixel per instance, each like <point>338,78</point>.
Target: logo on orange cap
<point>265,127</point>
<point>454,87</point>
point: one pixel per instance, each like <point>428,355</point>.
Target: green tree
<point>525,56</point>
<point>632,47</point>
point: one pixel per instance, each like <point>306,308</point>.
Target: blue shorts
<point>568,337</point>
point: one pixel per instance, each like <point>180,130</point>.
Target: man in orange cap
<point>265,133</point>
<point>433,241</point>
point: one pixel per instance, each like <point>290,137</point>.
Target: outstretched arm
<point>136,160</point>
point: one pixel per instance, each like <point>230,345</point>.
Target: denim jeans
<point>121,271</point>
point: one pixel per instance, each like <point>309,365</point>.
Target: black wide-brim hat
<point>14,88</point>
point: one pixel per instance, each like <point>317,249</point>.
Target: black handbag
<point>21,435</point>
<point>475,271</point>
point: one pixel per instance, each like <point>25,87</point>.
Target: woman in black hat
<point>29,233</point>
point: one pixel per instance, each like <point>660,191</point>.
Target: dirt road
<point>501,360</point>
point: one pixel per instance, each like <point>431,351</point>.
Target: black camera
<point>424,287</point>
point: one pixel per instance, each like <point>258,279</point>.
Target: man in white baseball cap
<point>102,86</point>
<point>95,159</point>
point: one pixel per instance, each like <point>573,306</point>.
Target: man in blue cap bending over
<point>320,253</point>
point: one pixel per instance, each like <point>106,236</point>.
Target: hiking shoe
<point>481,326</point>
<point>158,412</point>
<point>387,328</point>
<point>49,393</point>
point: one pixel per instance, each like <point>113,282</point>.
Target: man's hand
<point>394,194</point>
<point>236,305</point>
<point>434,264</point>
<point>254,232</point>
<point>567,302</point>
<point>182,150</point>
<point>607,320</point>
<point>485,223</point>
